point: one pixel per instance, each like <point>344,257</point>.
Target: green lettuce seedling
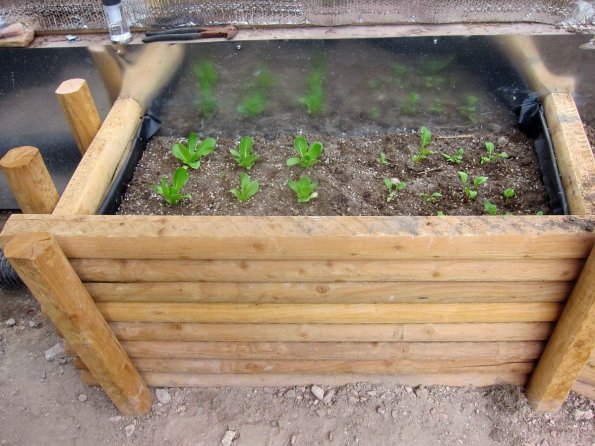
<point>244,156</point>
<point>410,105</point>
<point>308,156</point>
<point>470,191</point>
<point>305,189</point>
<point>192,153</point>
<point>383,159</point>
<point>469,108</point>
<point>172,194</point>
<point>440,214</point>
<point>206,76</point>
<point>426,138</point>
<point>492,155</point>
<point>393,185</point>
<point>508,194</point>
<point>252,104</point>
<point>247,188</point>
<point>430,198</point>
<point>313,99</point>
<point>490,208</point>
<point>457,158</point>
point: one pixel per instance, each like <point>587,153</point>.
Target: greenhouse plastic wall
<point>63,15</point>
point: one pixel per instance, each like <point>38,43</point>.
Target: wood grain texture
<point>573,152</point>
<point>383,367</point>
<point>87,187</point>
<point>584,389</point>
<point>42,266</point>
<point>284,380</point>
<point>172,331</point>
<point>571,346</point>
<point>117,270</point>
<point>521,351</point>
<point>29,180</point>
<point>322,238</point>
<point>337,292</point>
<point>330,313</point>
<point>80,111</point>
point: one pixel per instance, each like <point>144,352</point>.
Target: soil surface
<point>350,177</point>
<point>45,403</point>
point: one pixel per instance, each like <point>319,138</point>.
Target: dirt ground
<point>44,402</point>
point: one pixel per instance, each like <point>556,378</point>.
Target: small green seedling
<point>399,72</point>
<point>492,155</point>
<point>508,194</point>
<point>383,159</point>
<point>173,194</point>
<point>206,76</point>
<point>470,191</point>
<point>244,156</point>
<point>539,213</point>
<point>430,198</point>
<point>374,113</point>
<point>426,139</point>
<point>393,185</point>
<point>457,158</point>
<point>192,153</point>
<point>410,105</point>
<point>437,107</point>
<point>440,214</point>
<point>313,99</point>
<point>247,190</point>
<point>433,81</point>
<point>308,156</point>
<point>305,189</point>
<point>490,208</point>
<point>253,104</point>
<point>469,108</point>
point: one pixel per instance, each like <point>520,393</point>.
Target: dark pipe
<point>8,276</point>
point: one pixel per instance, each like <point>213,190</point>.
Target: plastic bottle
<point>116,21</point>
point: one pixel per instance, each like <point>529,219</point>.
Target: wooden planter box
<point>208,301</point>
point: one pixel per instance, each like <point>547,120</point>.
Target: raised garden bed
<point>219,300</point>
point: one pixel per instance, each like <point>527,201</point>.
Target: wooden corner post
<point>44,268</point>
<point>569,348</point>
<point>30,180</point>
<point>80,111</point>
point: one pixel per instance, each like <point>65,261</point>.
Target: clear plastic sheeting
<point>68,15</point>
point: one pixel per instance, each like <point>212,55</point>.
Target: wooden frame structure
<point>187,301</point>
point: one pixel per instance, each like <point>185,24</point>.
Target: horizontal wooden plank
<point>115,270</point>
<point>588,374</point>
<point>337,292</point>
<point>242,366</point>
<point>584,389</point>
<point>229,237</point>
<point>171,331</point>
<point>334,380</point>
<point>521,351</point>
<point>331,313</point>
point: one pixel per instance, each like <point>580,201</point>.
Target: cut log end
<point>28,246</point>
<point>18,157</point>
<point>70,86</point>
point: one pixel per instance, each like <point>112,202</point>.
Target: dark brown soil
<point>590,131</point>
<point>349,176</point>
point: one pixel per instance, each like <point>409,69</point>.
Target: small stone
<point>61,370</point>
<point>54,352</point>
<point>10,322</point>
<point>328,396</point>
<point>381,410</point>
<point>34,324</point>
<point>293,440</point>
<point>181,409</point>
<point>554,433</point>
<point>545,443</point>
<point>502,141</point>
<point>321,412</point>
<point>583,415</point>
<point>394,414</point>
<point>289,394</point>
<point>82,397</point>
<point>421,393</point>
<point>408,389</point>
<point>363,399</point>
<point>163,396</point>
<point>43,375</point>
<point>352,399</point>
<point>115,419</point>
<point>317,392</point>
<point>129,430</point>
<point>372,393</point>
<point>63,360</point>
<point>331,436</point>
<point>228,438</point>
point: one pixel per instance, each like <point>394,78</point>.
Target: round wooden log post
<point>80,111</point>
<point>570,347</point>
<point>44,268</point>
<point>30,180</point>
